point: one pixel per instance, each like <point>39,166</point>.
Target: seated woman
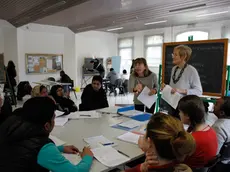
<point>166,137</point>
<point>25,144</point>
<point>39,90</point>
<point>64,104</point>
<point>222,126</point>
<point>192,112</point>
<point>93,96</point>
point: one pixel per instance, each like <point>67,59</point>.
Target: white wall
<point>94,43</point>
<point>34,38</point>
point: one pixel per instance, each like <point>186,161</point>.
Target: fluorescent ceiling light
<point>163,21</point>
<point>212,14</point>
<point>118,28</point>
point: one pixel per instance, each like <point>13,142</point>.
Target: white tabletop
<point>76,130</point>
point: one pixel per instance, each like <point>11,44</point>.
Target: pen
<point>123,153</point>
<point>107,144</point>
<point>86,115</point>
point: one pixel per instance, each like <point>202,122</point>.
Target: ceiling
<point>84,15</point>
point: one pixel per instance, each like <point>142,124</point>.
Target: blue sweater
<point>50,158</point>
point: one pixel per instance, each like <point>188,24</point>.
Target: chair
<point>71,87</point>
<point>118,84</point>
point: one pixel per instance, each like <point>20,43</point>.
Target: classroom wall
<point>215,30</point>
<point>34,38</point>
<point>94,44</point>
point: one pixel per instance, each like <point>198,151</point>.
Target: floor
<point>120,99</point>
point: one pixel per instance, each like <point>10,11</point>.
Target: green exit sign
<point>190,38</point>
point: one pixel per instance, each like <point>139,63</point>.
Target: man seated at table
<point>25,144</point>
<point>93,96</point>
<point>65,79</point>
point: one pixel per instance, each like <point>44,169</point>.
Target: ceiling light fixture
<point>212,14</point>
<point>58,4</point>
<point>163,21</point>
<point>118,28</point>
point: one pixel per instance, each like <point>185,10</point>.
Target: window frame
<point>120,48</point>
<point>153,45</point>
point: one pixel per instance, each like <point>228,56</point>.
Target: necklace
<point>175,80</point>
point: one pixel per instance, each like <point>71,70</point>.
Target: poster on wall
<point>43,63</point>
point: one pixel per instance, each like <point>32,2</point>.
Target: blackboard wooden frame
<point>224,41</point>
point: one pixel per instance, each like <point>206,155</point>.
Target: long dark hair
<point>192,106</point>
<point>53,92</point>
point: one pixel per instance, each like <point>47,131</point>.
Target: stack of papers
<point>131,113</point>
<point>129,137</point>
<point>98,141</point>
<point>109,156</point>
<point>61,121</point>
<point>109,110</point>
<point>146,99</point>
<point>171,99</point>
<point>130,124</point>
<point>73,158</point>
<point>84,115</point>
<point>57,141</point>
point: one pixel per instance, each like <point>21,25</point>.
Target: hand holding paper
<point>146,99</point>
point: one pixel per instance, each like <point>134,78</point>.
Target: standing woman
<point>140,78</point>
<point>184,77</point>
<point>11,71</point>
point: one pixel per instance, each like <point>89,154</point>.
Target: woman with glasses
<point>184,79</point>
<point>64,104</point>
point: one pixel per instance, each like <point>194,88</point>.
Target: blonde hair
<point>143,61</point>
<point>169,137</point>
<point>184,51</point>
<point>35,91</point>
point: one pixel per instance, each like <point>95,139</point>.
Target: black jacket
<point>65,79</point>
<point>92,100</point>
<point>20,143</point>
<point>6,110</point>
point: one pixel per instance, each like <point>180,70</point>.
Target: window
<point>125,48</point>
<point>153,50</point>
<point>197,35</point>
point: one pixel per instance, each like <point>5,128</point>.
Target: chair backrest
<point>225,152</point>
<point>51,79</point>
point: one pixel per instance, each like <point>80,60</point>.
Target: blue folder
<point>123,128</point>
<point>142,117</point>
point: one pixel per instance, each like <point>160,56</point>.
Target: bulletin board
<point>43,63</point>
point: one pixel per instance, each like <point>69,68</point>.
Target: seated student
<point>166,137</point>
<point>222,125</point>
<point>5,109</point>
<point>65,79</point>
<point>125,79</point>
<point>112,76</point>
<point>192,112</point>
<point>65,104</point>
<point>39,90</point>
<point>93,96</point>
<point>25,144</point>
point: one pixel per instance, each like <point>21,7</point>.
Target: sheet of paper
<point>146,99</point>
<point>130,124</point>
<point>171,99</point>
<point>84,115</point>
<point>73,158</point>
<point>56,140</point>
<point>98,141</point>
<point>109,156</point>
<point>131,113</point>
<point>61,121</point>
<point>59,113</point>
<point>129,137</point>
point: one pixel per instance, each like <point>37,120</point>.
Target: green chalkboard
<point>2,70</point>
<point>208,57</point>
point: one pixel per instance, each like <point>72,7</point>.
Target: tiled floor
<point>121,99</point>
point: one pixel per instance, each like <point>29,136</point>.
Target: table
<point>49,84</point>
<point>75,130</point>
